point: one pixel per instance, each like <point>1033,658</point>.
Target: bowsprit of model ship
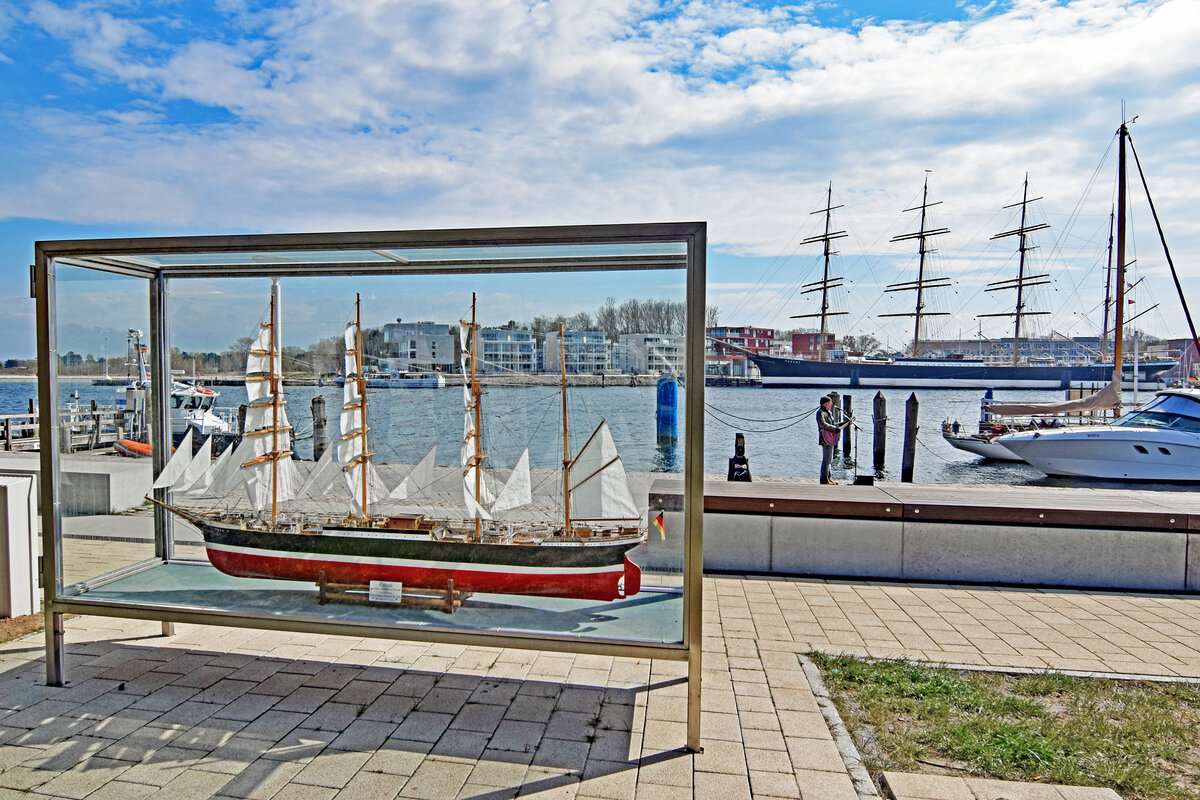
<point>581,553</point>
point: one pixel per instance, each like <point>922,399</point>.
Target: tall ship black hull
<point>595,569</point>
<point>928,374</point>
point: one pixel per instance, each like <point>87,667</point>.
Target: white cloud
<point>375,113</point>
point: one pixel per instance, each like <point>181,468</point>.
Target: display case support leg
<point>693,699</point>
<point>56,668</point>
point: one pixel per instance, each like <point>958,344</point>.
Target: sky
<point>127,118</point>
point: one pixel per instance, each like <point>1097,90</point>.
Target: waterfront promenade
<point>220,712</point>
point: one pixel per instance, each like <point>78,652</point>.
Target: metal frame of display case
<point>159,260</point>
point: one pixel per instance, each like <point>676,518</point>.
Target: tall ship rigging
<point>580,551</point>
<point>917,371</point>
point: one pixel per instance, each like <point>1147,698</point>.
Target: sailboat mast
<point>921,283</point>
<point>826,283</point>
<point>1020,309</point>
<point>362,396</point>
<point>562,361</point>
<point>476,398</point>
<point>825,276</point>
<point>271,348</point>
<point>916,345</point>
<point>1107,287</point>
<point>1119,315</point>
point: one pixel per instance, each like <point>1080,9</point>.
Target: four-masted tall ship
<point>580,553</point>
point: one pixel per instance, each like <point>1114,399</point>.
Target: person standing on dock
<point>828,429</point>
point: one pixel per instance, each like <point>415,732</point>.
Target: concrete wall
<point>949,551</point>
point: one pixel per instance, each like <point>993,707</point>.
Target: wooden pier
<point>82,429</point>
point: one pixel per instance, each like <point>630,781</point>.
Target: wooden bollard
<point>836,404</point>
<point>847,413</point>
<point>318,415</point>
<point>910,438</point>
<point>879,431</point>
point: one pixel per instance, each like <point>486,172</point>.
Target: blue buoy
<point>666,413</point>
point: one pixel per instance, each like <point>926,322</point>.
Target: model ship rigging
<point>582,554</point>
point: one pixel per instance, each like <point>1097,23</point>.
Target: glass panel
<point>103,399</point>
<point>462,479</point>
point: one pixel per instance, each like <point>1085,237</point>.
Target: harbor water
<point>780,430</point>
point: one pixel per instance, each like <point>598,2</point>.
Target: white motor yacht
<point>1158,442</point>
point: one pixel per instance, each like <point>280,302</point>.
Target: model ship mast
<point>362,393</point>
<point>562,361</point>
<point>1022,281</point>
<point>921,283</point>
<point>265,357</point>
<point>476,403</point>
<point>826,283</point>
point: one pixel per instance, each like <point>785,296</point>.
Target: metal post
<point>910,438</point>
<point>318,415</point>
<point>693,528</point>
<point>847,413</point>
<point>879,431</point>
<point>47,367</point>
<point>835,405</point>
<point>159,412</point>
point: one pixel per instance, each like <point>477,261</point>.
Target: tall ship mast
<point>954,371</point>
<point>1022,281</point>
<point>923,234</point>
<point>826,283</point>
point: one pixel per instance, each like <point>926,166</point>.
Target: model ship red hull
<point>591,570</point>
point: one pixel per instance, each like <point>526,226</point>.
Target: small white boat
<point>193,408</point>
<point>980,444</point>
<point>1158,442</point>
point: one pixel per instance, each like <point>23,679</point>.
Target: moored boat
<point>1159,441</point>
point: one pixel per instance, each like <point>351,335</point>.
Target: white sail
<point>486,495</point>
<point>324,476</point>
<point>376,489</point>
<point>474,510</point>
<point>517,490</point>
<point>257,480</point>
<point>264,456</point>
<point>177,464</point>
<point>263,416</point>
<point>599,487</point>
<point>418,479</point>
<point>196,469</point>
<point>207,483</point>
<point>228,475</point>
<point>259,366</point>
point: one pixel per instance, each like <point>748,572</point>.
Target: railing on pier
<point>80,429</point>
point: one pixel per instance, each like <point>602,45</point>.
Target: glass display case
<point>433,435</point>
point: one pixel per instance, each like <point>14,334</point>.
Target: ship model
<point>580,552</point>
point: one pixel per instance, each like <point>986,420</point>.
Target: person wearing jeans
<point>828,429</point>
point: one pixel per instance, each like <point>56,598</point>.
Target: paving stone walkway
<point>1139,634</point>
<point>230,713</point>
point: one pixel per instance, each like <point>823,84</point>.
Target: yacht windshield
<point>1165,411</point>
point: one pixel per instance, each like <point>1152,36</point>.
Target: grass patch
<point>1140,739</point>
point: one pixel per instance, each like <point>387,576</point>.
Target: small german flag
<point>658,523</point>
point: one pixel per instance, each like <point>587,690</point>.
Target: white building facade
<point>507,350</point>
<point>650,353</point>
<point>586,352</point>
<point>422,345</point>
